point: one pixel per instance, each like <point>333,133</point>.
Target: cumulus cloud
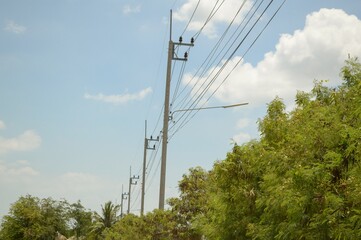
<point>128,9</point>
<point>119,99</point>
<point>13,27</point>
<point>317,51</point>
<point>241,138</point>
<point>29,140</point>
<point>226,12</point>
<point>8,172</point>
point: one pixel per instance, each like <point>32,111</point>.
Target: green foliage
<point>302,179</point>
<point>129,227</point>
<point>34,218</point>
<point>80,220</point>
<point>191,203</point>
<point>154,225</point>
<point>180,222</point>
<point>106,220</point>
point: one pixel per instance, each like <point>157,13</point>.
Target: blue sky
<point>79,78</point>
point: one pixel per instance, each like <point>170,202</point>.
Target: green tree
<point>158,224</point>
<point>106,220</point>
<point>191,203</point>
<point>79,219</point>
<point>129,227</point>
<point>34,218</point>
<point>302,179</point>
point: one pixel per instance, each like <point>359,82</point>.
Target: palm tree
<point>106,219</point>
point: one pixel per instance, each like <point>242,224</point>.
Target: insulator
<point>180,39</point>
<point>192,40</point>
<point>185,55</point>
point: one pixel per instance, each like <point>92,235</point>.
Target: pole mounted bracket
<point>180,43</point>
<point>133,180</point>
<point>151,139</point>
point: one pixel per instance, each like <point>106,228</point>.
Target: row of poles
<point>167,117</point>
<point>133,179</point>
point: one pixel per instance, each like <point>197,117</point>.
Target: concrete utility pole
<point>146,146</point>
<point>124,197</point>
<point>131,182</point>
<point>171,56</point>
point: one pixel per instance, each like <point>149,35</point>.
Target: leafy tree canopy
<point>34,218</point>
<point>302,179</point>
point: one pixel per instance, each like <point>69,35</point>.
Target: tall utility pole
<point>131,182</point>
<point>171,56</point>
<point>146,146</point>
<point>124,197</point>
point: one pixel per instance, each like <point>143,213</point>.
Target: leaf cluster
<point>301,180</point>
<point>34,218</point>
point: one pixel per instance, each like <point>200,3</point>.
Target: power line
<point>190,20</point>
<point>197,97</point>
<point>154,174</point>
<point>210,16</point>
<point>208,59</point>
<point>204,90</point>
<point>248,49</point>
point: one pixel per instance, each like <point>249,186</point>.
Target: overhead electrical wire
<point>134,200</point>
<point>200,93</point>
<point>210,16</point>
<point>204,91</point>
<point>191,18</point>
<point>152,178</point>
<point>221,59</point>
<point>197,97</point>
<point>208,61</point>
<point>248,49</point>
<point>152,98</point>
<point>150,163</point>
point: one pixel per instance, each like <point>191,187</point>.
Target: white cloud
<point>243,123</point>
<point>241,138</point>
<point>225,14</point>
<point>128,9</point>
<point>2,125</point>
<point>119,99</point>
<point>29,140</point>
<point>316,52</point>
<point>13,27</point>
<point>16,171</point>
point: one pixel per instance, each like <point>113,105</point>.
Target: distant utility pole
<point>132,181</point>
<point>146,146</point>
<point>124,197</point>
<point>171,56</point>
